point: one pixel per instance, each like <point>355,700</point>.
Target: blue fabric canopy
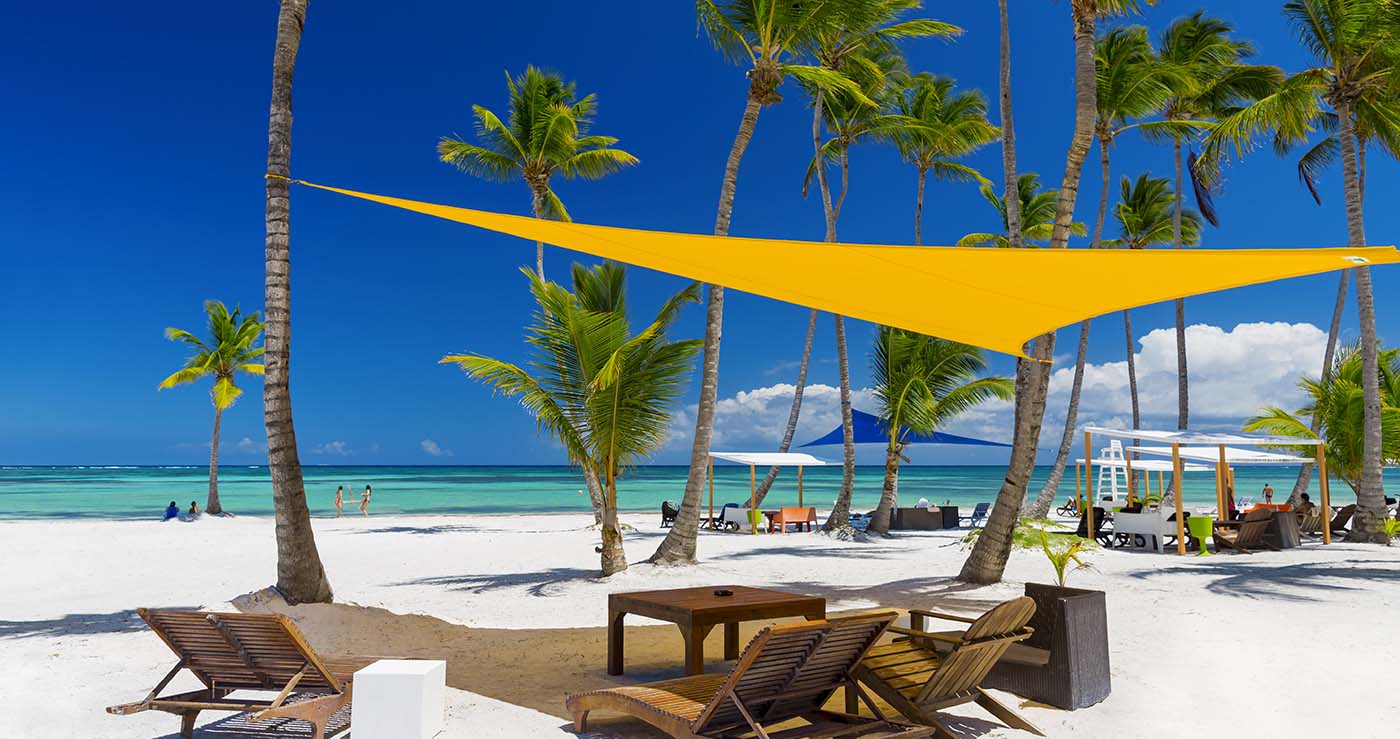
<point>869,429</point>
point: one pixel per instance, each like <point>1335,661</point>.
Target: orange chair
<point>795,516</point>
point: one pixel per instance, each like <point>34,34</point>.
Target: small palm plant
<point>607,395</point>
<point>231,349</point>
<point>1049,537</point>
<point>921,382</point>
<point>546,132</point>
<point>1037,214</point>
<point>1391,528</point>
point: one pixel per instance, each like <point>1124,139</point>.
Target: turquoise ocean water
<point>143,492</point>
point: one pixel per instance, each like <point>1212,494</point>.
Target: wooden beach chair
<point>1249,534</point>
<point>919,681</point>
<point>1310,523</point>
<point>231,652</point>
<point>788,672</point>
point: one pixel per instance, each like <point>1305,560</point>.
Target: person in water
<point>172,511</point>
<point>1268,493</point>
<point>339,499</point>
<point>364,501</point>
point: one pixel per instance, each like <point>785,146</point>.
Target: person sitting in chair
<point>1305,505</point>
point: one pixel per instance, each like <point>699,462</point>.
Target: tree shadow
<point>535,583</point>
<point>79,624</point>
<point>1237,577</point>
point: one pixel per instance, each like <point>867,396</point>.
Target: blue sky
<point>133,191</point>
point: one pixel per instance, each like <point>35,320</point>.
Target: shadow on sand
<point>1297,582</point>
<point>79,624</point>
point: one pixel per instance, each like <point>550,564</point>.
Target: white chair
<point>1153,525</point>
<point>735,518</point>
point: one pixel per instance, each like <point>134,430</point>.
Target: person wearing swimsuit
<point>364,501</point>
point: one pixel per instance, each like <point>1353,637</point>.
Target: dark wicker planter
<point>1065,663</point>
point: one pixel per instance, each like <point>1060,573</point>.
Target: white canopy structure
<point>1219,448</point>
<point>1146,465</point>
<point>765,459</point>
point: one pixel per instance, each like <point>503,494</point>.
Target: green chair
<point>1201,528</point>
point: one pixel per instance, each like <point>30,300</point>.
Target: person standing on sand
<point>339,499</point>
<point>364,501</point>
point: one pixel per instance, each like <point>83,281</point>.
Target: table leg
<point>731,641</point>
<point>615,642</point>
<point>694,648</point>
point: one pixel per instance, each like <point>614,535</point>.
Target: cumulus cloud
<point>247,444</point>
<point>756,419</point>
<point>433,449</point>
<point>332,449</point>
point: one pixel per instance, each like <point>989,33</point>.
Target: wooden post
<point>753,497</point>
<point>1128,467</point>
<point>1078,470</point>
<point>799,486</point>
<point>712,492</point>
<point>1089,481</point>
<point>1161,484</point>
<point>1176,493</point>
<point>1223,471</point>
<point>1326,501</point>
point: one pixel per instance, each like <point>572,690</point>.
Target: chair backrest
<point>797,514</point>
<point>792,669</point>
<point>668,509</point>
<point>1312,521</point>
<point>1343,517</point>
<point>1099,516</point>
<point>984,642</point>
<point>1255,524</point>
<point>260,651</point>
<point>980,510</point>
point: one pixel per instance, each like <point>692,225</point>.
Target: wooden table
<point>697,611</point>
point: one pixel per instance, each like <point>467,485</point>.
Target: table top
<point>691,602</point>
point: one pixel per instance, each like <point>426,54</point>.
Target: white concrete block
<point>399,699</point>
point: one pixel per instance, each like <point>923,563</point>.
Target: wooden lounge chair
<point>1249,534</point>
<point>788,672</point>
<point>1310,523</point>
<point>912,676</point>
<point>798,517</point>
<point>245,651</point>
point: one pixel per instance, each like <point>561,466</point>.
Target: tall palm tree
<point>1354,44</point>
<point>766,36</point>
<point>987,561</point>
<point>1037,211</point>
<point>300,576</point>
<point>851,42</point>
<point>229,351</point>
<point>1209,80</point>
<point>1336,412</point>
<point>545,132</point>
<point>953,124</point>
<point>920,383</point>
<point>604,393</point>
<point>1146,216</point>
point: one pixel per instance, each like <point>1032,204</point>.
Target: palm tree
<point>1353,42</point>
<point>546,132</point>
<point>858,42</point>
<point>953,125</point>
<point>230,350</point>
<point>920,383</point>
<point>765,36</point>
<point>300,576</point>
<point>1146,216</point>
<point>987,561</point>
<point>1336,409</point>
<point>1036,209</point>
<point>605,394</point>
<point>1209,81</point>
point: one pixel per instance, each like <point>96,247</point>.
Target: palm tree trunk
<point>987,561</point>
<point>1041,507</point>
<point>1370,496</point>
<point>595,493</point>
<point>679,544</point>
<point>614,559</point>
<point>839,522</point>
<point>919,209</point>
<point>889,493</point>
<point>1132,368</point>
<point>1305,474</point>
<point>767,483</point>
<point>1008,137</point>
<point>537,207</point>
<point>300,576</point>
<point>1183,395</point>
<point>211,505</point>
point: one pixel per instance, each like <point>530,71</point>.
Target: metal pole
<point>1176,493</point>
<point>1326,494</point>
<point>1089,481</point>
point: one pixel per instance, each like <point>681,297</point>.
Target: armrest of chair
<point>917,634</point>
<point>943,616</point>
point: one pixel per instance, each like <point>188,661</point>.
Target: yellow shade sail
<point>993,298</point>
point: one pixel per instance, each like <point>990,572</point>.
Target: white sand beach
<point>1289,644</point>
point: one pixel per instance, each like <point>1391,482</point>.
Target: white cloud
<point>433,449</point>
<point>247,444</point>
<point>332,449</point>
<point>756,419</point>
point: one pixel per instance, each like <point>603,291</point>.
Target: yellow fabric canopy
<point>993,298</point>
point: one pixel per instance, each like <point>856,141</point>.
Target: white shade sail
<point>1147,465</point>
<point>770,459</point>
<point>1201,437</point>
<point>1234,456</point>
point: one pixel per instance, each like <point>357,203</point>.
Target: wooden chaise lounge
<point>911,675</point>
<point>1247,535</point>
<point>787,673</point>
<point>231,652</point>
